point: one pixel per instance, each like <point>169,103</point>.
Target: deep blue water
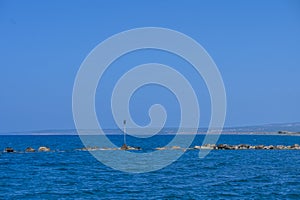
<point>223,174</point>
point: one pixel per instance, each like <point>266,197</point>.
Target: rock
<point>160,148</point>
<point>246,146</point>
<point>134,148</point>
<point>175,147</point>
<point>44,149</point>
<point>89,148</point>
<point>236,147</point>
<point>205,146</point>
<point>29,149</point>
<point>243,146</point>
<point>295,146</point>
<point>269,147</point>
<point>124,147</point>
<point>221,146</point>
<point>208,146</point>
<point>224,146</point>
<point>9,150</point>
<point>259,147</point>
<point>280,147</point>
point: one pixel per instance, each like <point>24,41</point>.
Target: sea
<point>68,173</point>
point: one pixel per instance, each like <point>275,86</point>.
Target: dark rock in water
<point>9,150</point>
<point>288,133</point>
<point>224,146</point>
<point>137,148</point>
<point>29,149</point>
<point>124,147</point>
<point>243,146</point>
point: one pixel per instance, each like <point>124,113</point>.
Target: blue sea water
<point>224,174</point>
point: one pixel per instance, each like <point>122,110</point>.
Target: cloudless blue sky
<point>255,45</point>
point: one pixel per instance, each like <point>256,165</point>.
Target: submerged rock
<point>44,149</point>
<point>29,149</point>
<point>160,148</point>
<point>89,149</point>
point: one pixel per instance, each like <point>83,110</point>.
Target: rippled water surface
<point>69,174</point>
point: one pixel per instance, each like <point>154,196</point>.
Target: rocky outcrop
<point>44,149</point>
<point>125,147</point>
<point>288,133</point>
<point>29,149</point>
<point>246,146</point>
<point>243,146</point>
<point>9,150</point>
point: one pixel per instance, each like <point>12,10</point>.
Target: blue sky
<point>255,45</point>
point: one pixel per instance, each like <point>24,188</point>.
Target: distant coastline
<point>267,129</point>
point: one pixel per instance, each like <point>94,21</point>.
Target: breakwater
<point>205,146</point>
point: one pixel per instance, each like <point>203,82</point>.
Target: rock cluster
<point>247,146</point>
<point>95,148</point>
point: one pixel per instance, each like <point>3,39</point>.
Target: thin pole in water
<point>124,123</point>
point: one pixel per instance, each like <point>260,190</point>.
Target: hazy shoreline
<point>267,129</point>
<point>188,133</point>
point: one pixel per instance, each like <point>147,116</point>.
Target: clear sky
<point>255,45</point>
